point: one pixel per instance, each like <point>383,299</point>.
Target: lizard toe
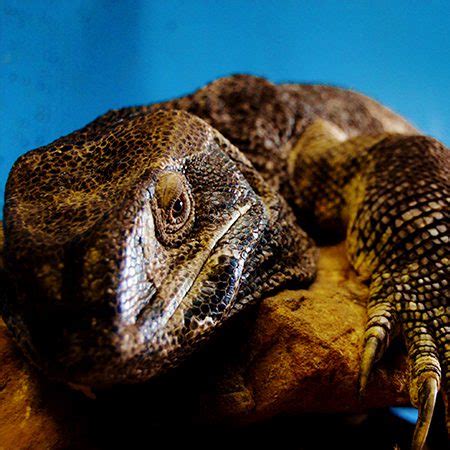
<point>425,377</point>
<point>427,340</point>
<point>370,354</point>
<point>381,321</point>
<point>428,391</point>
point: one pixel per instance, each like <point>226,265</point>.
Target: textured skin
<point>105,281</point>
<point>105,287</point>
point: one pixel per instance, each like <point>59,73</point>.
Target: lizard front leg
<point>398,233</point>
<point>392,194</point>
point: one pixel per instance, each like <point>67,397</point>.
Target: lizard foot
<point>417,304</point>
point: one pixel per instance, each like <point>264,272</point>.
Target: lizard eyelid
<point>174,205</point>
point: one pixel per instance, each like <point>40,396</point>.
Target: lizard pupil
<point>177,207</point>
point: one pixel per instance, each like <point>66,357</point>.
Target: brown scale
<point>90,203</point>
<point>116,233</point>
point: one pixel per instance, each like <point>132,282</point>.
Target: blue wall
<point>64,62</point>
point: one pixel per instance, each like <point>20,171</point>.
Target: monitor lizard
<point>129,242</point>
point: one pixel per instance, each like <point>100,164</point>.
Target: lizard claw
<point>371,349</point>
<point>427,400</point>
<point>380,321</point>
<point>427,336</point>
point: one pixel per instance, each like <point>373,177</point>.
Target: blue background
<point>64,62</point>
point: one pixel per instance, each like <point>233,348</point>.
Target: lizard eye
<point>177,209</point>
<point>174,206</point>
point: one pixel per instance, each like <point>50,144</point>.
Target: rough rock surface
<point>298,352</point>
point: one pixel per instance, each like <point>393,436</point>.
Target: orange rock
<point>303,352</point>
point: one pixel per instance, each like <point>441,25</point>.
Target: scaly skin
<point>130,241</point>
<point>390,192</point>
<point>128,245</point>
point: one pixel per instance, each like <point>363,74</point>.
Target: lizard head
<point>128,242</point>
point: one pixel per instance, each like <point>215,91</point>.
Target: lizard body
<point>128,242</point>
